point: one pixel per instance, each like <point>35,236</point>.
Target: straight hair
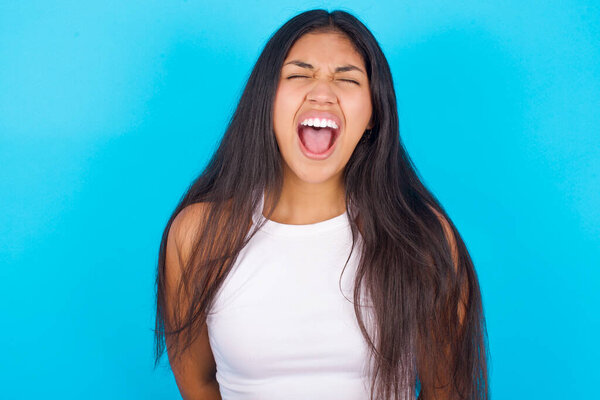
<point>414,271</point>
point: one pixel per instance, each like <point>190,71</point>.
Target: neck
<point>307,203</point>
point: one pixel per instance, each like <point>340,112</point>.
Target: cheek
<point>284,109</point>
<point>358,110</point>
<point>363,107</point>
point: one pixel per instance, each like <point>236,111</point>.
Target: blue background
<point>109,109</point>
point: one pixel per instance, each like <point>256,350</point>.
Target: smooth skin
<point>312,191</point>
<point>195,373</point>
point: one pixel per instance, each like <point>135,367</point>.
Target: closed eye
<point>341,80</point>
<point>350,81</point>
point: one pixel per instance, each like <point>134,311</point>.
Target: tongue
<point>316,140</point>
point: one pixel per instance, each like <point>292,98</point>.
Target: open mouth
<point>317,139</point>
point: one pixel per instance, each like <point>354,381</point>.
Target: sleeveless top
<point>282,325</point>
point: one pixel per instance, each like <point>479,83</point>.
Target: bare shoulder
<point>180,242</point>
<point>463,281</point>
<point>187,220</point>
<point>449,233</point>
<point>185,227</point>
<point>194,369</point>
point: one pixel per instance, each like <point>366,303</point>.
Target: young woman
<point>308,261</point>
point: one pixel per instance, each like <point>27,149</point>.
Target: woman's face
<point>322,106</point>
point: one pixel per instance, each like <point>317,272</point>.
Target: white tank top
<point>280,328</point>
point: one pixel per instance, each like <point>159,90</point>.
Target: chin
<point>315,175</point>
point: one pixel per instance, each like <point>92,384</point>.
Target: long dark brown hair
<point>429,332</point>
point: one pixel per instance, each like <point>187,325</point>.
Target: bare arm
<point>195,370</point>
<point>441,373</point>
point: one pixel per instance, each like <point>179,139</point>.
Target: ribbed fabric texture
<point>283,324</point>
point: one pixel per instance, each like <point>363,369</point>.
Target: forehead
<point>325,48</point>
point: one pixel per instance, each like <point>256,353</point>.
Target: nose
<point>321,93</point>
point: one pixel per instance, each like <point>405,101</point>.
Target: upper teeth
<point>319,123</point>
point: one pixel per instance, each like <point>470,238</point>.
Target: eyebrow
<point>343,68</point>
